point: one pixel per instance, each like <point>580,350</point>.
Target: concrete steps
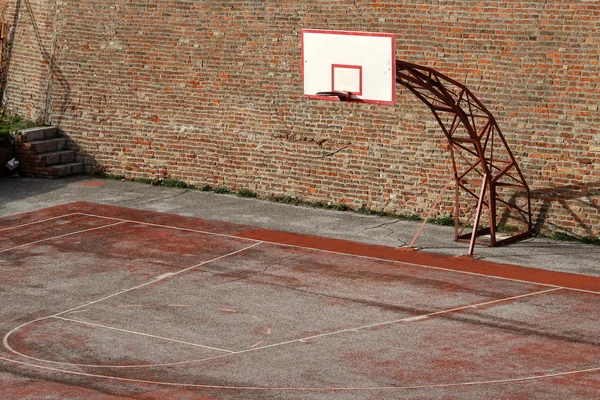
<point>43,152</point>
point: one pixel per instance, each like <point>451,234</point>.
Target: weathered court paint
<point>464,264</point>
<point>106,300</point>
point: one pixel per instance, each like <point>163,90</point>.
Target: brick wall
<point>31,45</point>
<point>211,93</point>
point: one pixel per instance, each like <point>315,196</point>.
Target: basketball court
<point>112,302</point>
<point>107,302</point>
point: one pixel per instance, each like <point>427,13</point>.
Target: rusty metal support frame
<point>482,162</point>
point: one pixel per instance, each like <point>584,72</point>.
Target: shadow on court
<point>109,302</point>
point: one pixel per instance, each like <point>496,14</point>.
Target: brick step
<point>53,158</point>
<point>60,170</point>
<point>38,133</point>
<point>54,171</point>
<point>42,146</point>
<point>43,152</point>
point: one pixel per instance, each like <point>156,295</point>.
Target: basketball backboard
<point>361,63</point>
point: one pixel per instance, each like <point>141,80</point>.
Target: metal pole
<point>478,213</point>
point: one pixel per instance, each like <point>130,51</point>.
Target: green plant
<point>206,188</point>
<point>113,177</point>
<point>448,220</point>
<point>507,228</point>
<point>340,207</point>
<point>591,240</point>
<point>12,123</point>
<point>246,193</point>
<point>285,199</point>
<point>328,206</point>
<point>404,217</point>
<point>566,237</point>
<point>147,181</point>
<point>221,190</point>
<point>175,183</point>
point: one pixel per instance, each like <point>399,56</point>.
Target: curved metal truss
<point>486,173</point>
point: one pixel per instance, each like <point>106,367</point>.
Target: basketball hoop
<point>341,95</point>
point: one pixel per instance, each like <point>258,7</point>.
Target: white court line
<point>174,227</point>
<point>318,389</point>
<point>526,378</point>
<point>333,252</point>
<point>162,277</point>
<point>357,255</point>
<point>142,334</point>
<point>61,236</point>
<point>408,319</point>
<point>308,389</point>
<point>426,266</point>
<point>256,347</point>
<point>38,222</point>
<point>104,327</point>
<point>7,336</point>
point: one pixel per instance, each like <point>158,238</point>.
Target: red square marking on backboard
<point>343,66</point>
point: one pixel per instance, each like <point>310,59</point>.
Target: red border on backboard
<point>342,66</point>
<point>353,33</point>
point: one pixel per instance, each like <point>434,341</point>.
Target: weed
<point>317,204</point>
<point>285,199</point>
<point>590,240</point>
<point>12,123</point>
<point>404,217</point>
<point>206,188</point>
<point>221,190</point>
<point>328,206</point>
<point>246,193</point>
<point>113,177</point>
<point>507,228</point>
<point>340,207</point>
<point>565,237</point>
<point>363,210</point>
<point>444,221</point>
<point>174,183</point>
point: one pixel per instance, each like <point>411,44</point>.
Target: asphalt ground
<point>23,195</point>
<point>132,295</point>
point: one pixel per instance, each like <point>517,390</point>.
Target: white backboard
<point>362,63</point>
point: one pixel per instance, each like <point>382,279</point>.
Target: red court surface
<point>108,303</point>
